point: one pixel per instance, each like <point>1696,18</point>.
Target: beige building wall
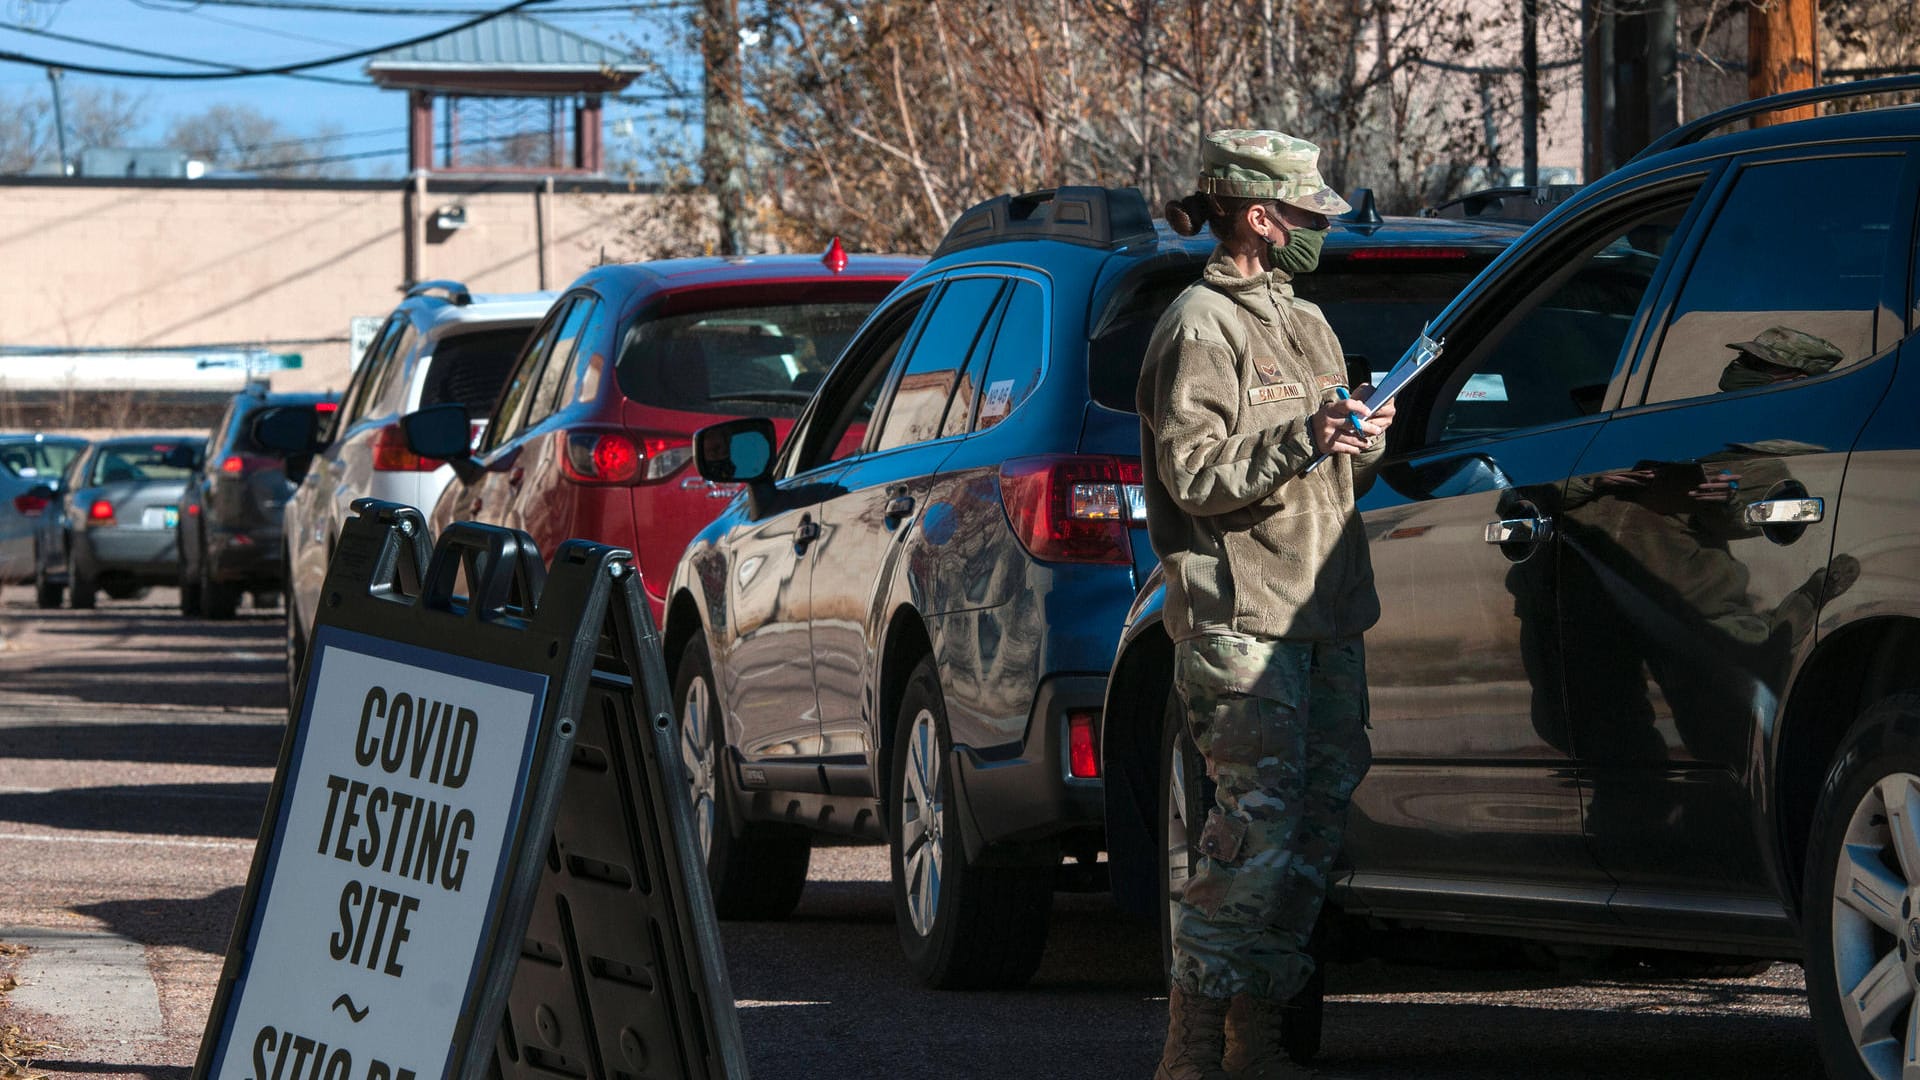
<point>85,264</point>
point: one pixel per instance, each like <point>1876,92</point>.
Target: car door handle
<point>807,533</point>
<point>473,508</point>
<point>1532,530</point>
<point>1772,512</point>
<point>899,506</point>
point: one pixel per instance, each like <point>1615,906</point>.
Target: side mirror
<point>293,434</point>
<point>443,432</point>
<point>736,451</point>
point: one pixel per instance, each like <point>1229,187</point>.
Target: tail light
<point>1083,762</point>
<point>100,513</point>
<point>241,464</point>
<point>1074,508</point>
<point>30,504</point>
<point>390,453</point>
<point>618,457</point>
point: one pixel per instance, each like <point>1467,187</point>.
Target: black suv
<point>1645,545</point>
<point>230,536</point>
<point>902,630</point>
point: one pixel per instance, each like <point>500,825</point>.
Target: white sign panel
<point>400,801</point>
<point>360,332</point>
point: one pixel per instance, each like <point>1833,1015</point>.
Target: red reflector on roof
<point>836,256</point>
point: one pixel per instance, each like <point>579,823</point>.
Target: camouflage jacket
<point>1234,369</point>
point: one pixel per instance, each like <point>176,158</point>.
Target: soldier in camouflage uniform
<point>1269,588</point>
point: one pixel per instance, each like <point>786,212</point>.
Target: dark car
<point>592,434</point>
<point>230,511</point>
<point>30,468</point>
<point>111,525</point>
<point>1645,542</point>
<point>902,630</point>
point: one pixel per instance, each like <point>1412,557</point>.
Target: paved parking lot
<point>137,748</point>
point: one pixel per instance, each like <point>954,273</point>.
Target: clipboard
<point>1418,357</point>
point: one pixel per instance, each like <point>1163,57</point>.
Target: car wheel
<point>46,594</point>
<point>217,600</point>
<point>1861,912</point>
<point>84,591</point>
<point>756,869</point>
<point>962,926</point>
<point>1186,794</point>
<point>189,594</point>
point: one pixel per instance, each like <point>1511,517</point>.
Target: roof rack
<point>455,292</point>
<point>1524,205</point>
<point>1695,130</point>
<point>1091,216</point>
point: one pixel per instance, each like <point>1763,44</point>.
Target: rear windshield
<point>133,463</point>
<point>36,461</point>
<point>740,361</point>
<point>468,369</point>
<point>1376,308</point>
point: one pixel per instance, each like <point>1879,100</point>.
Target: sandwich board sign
<point>402,920</point>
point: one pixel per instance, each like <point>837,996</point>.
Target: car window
<point>1018,358</point>
<point>838,427</point>
<point>737,361</point>
<point>353,406</point>
<point>125,463</point>
<point>939,355</point>
<point>468,368</point>
<point>1785,286</point>
<point>589,368</point>
<point>507,419</point>
<point>559,362</point>
<point>386,393</point>
<point>33,460</point>
<point>1552,356</point>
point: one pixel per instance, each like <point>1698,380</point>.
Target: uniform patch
<point>1328,382</point>
<point>1268,367</point>
<point>1260,395</point>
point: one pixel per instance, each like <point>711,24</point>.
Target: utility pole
<point>723,159</point>
<point>1530,90</point>
<point>1782,54</point>
<point>59,118</point>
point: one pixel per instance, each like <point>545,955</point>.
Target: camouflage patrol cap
<point>1266,165</point>
<point>1783,346</point>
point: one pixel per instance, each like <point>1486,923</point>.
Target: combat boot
<point>1271,1040</point>
<point>1196,1037</point>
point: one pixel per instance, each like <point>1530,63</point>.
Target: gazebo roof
<point>512,54</point>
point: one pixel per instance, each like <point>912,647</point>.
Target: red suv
<point>592,433</point>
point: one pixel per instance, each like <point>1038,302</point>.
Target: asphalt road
<point>137,749</point>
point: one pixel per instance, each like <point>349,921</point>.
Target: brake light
<point>30,505</point>
<point>616,457</point>
<point>390,453</point>
<point>1369,254</point>
<point>1083,763</point>
<point>101,512</point>
<point>1073,508</point>
<point>326,406</point>
<point>233,464</point>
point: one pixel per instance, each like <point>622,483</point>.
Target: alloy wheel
<point>1876,927</point>
<point>921,851</point>
<point>697,756</point>
<point>1179,850</point>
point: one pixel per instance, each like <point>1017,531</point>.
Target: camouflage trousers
<point>1282,725</point>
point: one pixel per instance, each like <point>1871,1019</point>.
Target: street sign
<point>360,333</point>
<point>478,856</point>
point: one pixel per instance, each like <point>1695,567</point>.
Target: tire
<point>756,870</point>
<point>189,595</point>
<point>962,927</point>
<point>1185,794</point>
<point>46,594</point>
<point>84,591</point>
<point>1861,925</point>
<point>217,600</point>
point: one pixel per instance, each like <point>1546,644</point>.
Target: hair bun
<point>1187,215</point>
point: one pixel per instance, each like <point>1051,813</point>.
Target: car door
<point>1472,803</point>
<point>1693,562</point>
<point>767,680</point>
<point>863,524</point>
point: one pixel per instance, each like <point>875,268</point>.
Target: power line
<point>283,69</point>
<point>151,55</point>
<point>336,7</point>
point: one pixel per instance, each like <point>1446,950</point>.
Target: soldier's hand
<point>1381,417</point>
<point>1333,434</point>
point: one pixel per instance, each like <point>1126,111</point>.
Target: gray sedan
<point>115,528</point>
<point>30,468</point>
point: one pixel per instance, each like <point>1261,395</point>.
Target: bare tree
<point>96,116</point>
<point>244,139</point>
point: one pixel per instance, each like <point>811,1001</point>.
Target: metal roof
<point>507,43</point>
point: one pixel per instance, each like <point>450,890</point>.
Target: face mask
<point>1301,253</point>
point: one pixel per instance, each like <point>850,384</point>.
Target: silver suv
<point>442,345</point>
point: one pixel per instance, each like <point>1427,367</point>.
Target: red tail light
<point>390,453</point>
<point>233,464</point>
<point>30,505</point>
<point>325,407</point>
<point>101,512</point>
<point>618,457</point>
<point>1083,762</point>
<point>1073,508</point>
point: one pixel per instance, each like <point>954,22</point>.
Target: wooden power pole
<point>1783,53</point>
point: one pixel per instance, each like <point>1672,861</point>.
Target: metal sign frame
<point>651,993</point>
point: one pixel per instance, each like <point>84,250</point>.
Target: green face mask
<point>1301,253</point>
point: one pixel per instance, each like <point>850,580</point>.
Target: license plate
<point>160,517</point>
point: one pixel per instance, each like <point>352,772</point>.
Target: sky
<point>250,33</point>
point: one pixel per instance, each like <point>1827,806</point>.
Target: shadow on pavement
<point>184,742</point>
<point>204,923</point>
<point>162,681</point>
<point>231,810</point>
<point>151,1072</point>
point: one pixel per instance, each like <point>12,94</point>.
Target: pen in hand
<point>1351,419</point>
